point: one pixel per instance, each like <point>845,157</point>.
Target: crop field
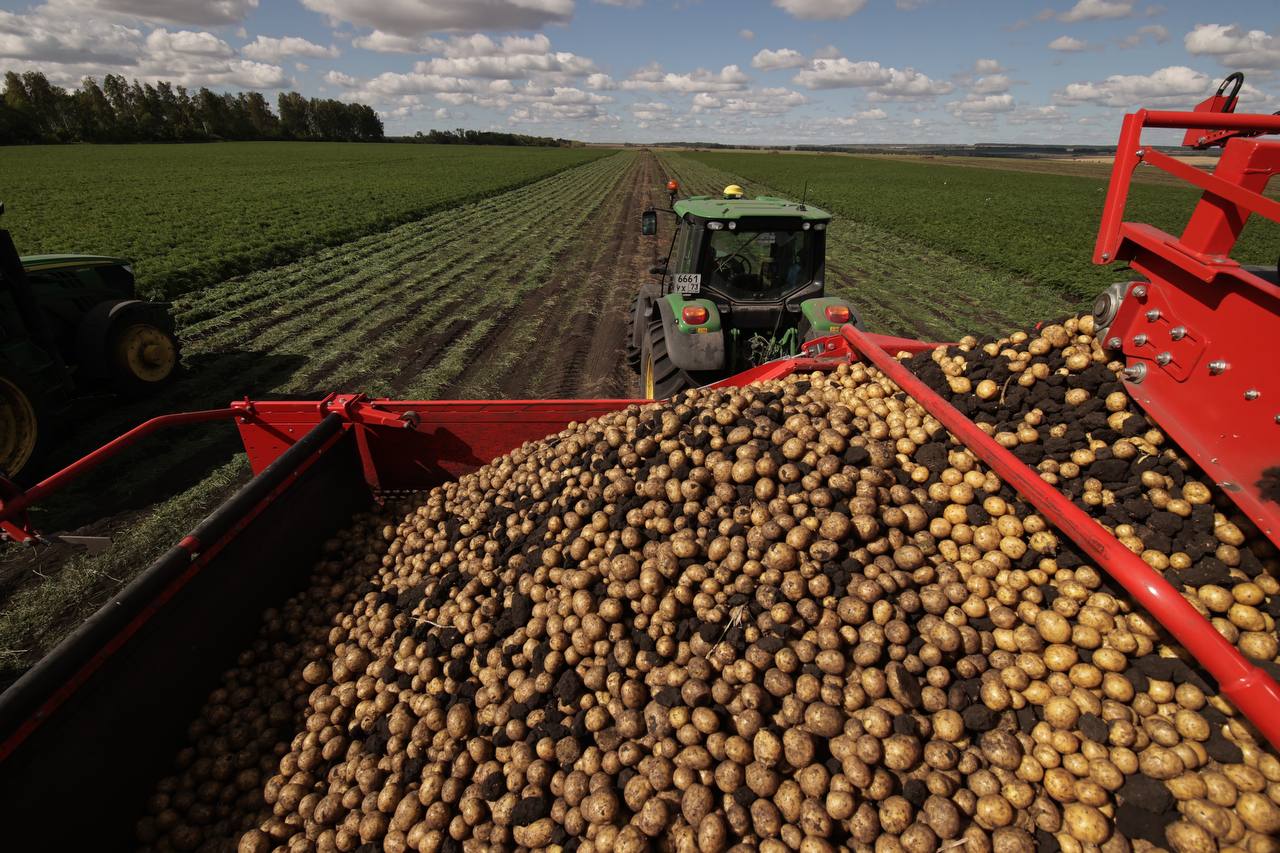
<point>514,282</point>
<point>1031,226</point>
<point>452,305</point>
<point>191,215</point>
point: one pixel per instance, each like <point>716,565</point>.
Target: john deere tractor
<point>742,284</point>
<point>71,324</point>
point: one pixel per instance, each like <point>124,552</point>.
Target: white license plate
<point>688,282</point>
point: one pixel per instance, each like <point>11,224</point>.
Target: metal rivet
<point>1136,373</point>
<point>1142,152</point>
<point>1153,315</point>
<point>1277,419</point>
<point>1140,291</point>
<point>1252,394</point>
<point>1163,358</point>
<point>1178,332</point>
<point>1218,366</point>
<point>1114,343</point>
<point>1139,340</point>
<point>1106,256</point>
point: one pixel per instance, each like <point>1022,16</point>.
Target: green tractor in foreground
<point>71,324</point>
<point>742,284</point>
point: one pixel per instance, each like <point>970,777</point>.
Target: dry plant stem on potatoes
<point>790,616</point>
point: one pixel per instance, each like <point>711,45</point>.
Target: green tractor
<point>70,325</point>
<point>742,284</point>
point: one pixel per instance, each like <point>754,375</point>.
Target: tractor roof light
<point>838,313</point>
<point>694,315</point>
<point>733,225</point>
<point>673,186</point>
<point>715,226</point>
<point>805,226</point>
<point>819,226</point>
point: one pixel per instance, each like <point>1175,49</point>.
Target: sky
<point>731,71</point>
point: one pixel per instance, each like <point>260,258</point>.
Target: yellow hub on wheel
<point>18,427</point>
<point>147,352</point>
<point>647,373</point>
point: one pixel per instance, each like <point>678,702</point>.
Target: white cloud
<point>768,60</point>
<point>382,42</point>
<point>1234,47</point>
<point>746,34</point>
<point>1067,44</point>
<point>1175,84</point>
<point>1092,10</point>
<point>194,12</point>
<point>992,84</point>
<point>73,40</point>
<point>650,111</point>
<point>981,108</point>
<point>414,17</point>
<point>268,49</point>
<point>1036,115</point>
<point>881,80</point>
<point>188,42</point>
<point>514,67</point>
<point>654,79</point>
<point>755,102</point>
<point>600,81</point>
<point>820,10</point>
<point>987,66</point>
<point>337,78</point>
<point>1155,32</point>
<point>632,4</point>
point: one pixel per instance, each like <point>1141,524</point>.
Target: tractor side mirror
<point>649,223</point>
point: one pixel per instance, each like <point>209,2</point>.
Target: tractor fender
<point>642,310</point>
<point>814,322</point>
<point>690,349</point>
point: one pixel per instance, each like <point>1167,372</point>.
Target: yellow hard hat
<point>733,191</point>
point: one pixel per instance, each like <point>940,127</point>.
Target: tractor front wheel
<point>142,356</point>
<point>659,376</point>
<point>19,426</point>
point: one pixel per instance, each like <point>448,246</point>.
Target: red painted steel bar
<point>1219,121</point>
<point>1247,687</point>
<point>45,487</point>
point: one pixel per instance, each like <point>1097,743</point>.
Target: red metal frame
<point>1201,334</point>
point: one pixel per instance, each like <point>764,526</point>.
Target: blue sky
<point>754,71</point>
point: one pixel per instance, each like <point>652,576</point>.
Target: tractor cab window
<point>758,265</point>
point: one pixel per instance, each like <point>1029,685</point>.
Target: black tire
<point>23,427</point>
<point>633,352</point>
<point>131,346</point>
<point>660,379</point>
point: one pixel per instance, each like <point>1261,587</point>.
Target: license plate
<point>688,282</point>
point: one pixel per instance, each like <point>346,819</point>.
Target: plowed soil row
<point>520,295</point>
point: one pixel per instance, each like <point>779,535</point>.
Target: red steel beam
<point>1220,121</point>
<point>1247,687</point>
<point>41,490</point>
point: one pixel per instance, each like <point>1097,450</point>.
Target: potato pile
<point>791,616</point>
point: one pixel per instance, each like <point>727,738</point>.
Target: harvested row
<point>795,615</point>
<point>413,312</point>
<point>902,286</point>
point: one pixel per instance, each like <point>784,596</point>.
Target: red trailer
<point>1199,334</point>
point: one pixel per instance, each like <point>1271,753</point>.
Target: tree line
<point>487,137</point>
<point>33,110</point>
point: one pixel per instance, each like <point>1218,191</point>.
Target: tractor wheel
<point>130,345</point>
<point>660,379</point>
<point>19,425</point>
<point>633,352</point>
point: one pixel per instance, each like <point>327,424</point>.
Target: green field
<point>1032,226</point>
<point>433,272</point>
<point>192,215</point>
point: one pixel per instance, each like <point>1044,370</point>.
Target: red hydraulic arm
<point>1245,685</point>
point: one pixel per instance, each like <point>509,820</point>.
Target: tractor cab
<point>743,283</point>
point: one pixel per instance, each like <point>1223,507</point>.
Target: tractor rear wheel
<point>659,376</point>
<point>129,345</point>
<point>19,425</point>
